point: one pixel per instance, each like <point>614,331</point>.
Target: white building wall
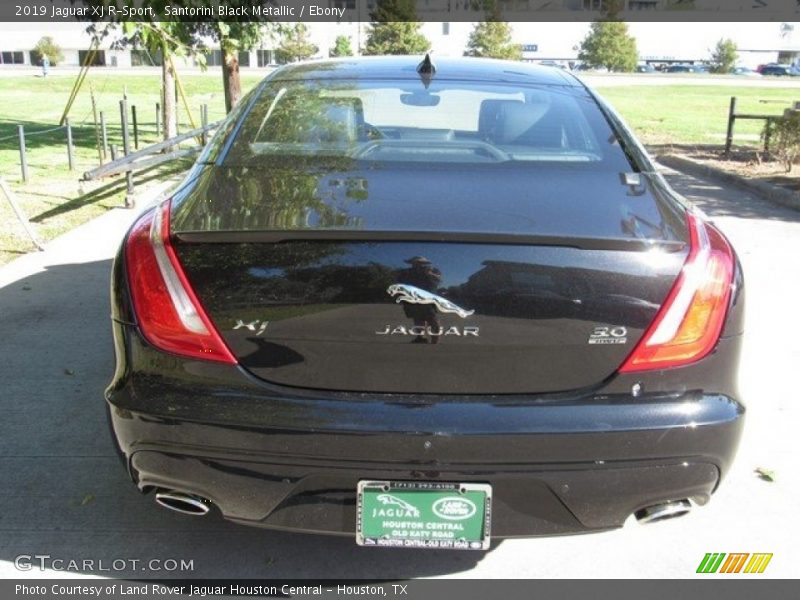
<point>71,57</point>
<point>118,58</point>
<point>758,42</point>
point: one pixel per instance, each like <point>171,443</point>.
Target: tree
<point>341,47</point>
<point>608,44</point>
<point>178,38</point>
<point>187,37</point>
<point>295,45</point>
<point>47,47</point>
<point>233,37</point>
<point>395,29</point>
<point>723,57</point>
<point>492,38</point>
<point>168,38</point>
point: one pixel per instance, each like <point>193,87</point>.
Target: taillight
<point>690,321</point>
<point>167,310</point>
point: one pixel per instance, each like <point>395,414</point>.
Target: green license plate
<point>410,514</point>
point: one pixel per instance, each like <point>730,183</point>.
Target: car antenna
<point>426,69</point>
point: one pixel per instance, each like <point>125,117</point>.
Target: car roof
<point>405,67</point>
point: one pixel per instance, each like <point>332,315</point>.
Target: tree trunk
<point>230,78</point>
<point>168,104</point>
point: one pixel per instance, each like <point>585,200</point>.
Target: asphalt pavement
<point>65,494</point>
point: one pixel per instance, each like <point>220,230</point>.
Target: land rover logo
<point>454,508</point>
<point>402,292</point>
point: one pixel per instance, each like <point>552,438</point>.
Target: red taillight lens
<point>167,310</point>
<point>690,321</point>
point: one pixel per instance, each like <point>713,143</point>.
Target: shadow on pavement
<point>727,201</point>
<point>65,493</point>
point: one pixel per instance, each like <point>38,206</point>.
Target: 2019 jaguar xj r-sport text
<point>426,305</point>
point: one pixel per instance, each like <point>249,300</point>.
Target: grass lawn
<point>55,201</point>
<point>53,198</point>
<point>689,114</point>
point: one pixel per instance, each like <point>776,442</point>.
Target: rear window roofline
<point>404,67</point>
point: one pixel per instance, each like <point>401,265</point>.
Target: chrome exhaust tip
<point>187,504</point>
<point>663,511</point>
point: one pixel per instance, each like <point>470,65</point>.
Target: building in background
<point>658,43</point>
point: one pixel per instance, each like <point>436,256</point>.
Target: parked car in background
<point>584,67</point>
<point>745,72</point>
<point>777,70</point>
<point>463,297</point>
<point>679,69</point>
<point>647,68</point>
<point>553,63</point>
<point>687,69</point>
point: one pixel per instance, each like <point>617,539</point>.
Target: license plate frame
<point>456,516</point>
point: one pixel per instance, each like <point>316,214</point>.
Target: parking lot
<point>65,494</point>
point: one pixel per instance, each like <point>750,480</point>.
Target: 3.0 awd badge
<point>609,335</point>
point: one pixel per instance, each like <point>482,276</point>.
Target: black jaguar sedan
<point>426,305</point>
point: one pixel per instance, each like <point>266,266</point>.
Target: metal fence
<point>151,156</point>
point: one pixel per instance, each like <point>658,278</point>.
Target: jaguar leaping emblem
<point>413,295</point>
<point>389,499</point>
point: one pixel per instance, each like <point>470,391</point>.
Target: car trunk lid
<point>351,281</point>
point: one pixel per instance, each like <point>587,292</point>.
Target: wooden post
<point>767,134</point>
<point>135,128</point>
<point>204,122</point>
<point>126,148</point>
<point>70,157</point>
<point>177,106</point>
<point>23,159</point>
<point>158,118</point>
<point>731,121</point>
<point>113,151</point>
<point>123,121</point>
<point>100,149</point>
<point>104,133</point>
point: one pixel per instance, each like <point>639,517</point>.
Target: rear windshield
<point>402,120</point>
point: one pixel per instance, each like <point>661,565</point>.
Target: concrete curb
<point>767,191</point>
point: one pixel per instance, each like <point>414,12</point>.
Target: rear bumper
<point>528,500</point>
<point>291,459</point>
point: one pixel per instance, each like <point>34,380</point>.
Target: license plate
<point>411,514</point>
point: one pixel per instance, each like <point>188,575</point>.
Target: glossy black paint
<point>560,463</point>
<point>327,307</point>
<point>319,401</point>
<point>502,200</point>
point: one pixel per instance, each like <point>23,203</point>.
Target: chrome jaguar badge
<point>420,331</point>
<point>403,292</point>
